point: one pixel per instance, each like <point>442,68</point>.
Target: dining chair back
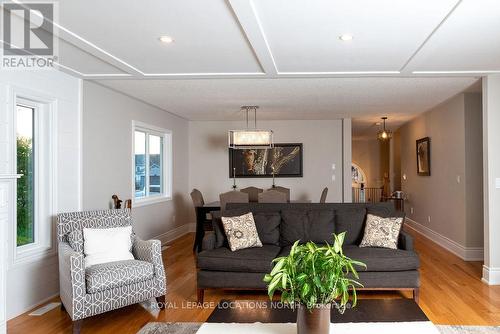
<point>282,190</point>
<point>232,196</point>
<point>324,193</point>
<point>253,193</point>
<point>272,196</point>
<point>197,198</point>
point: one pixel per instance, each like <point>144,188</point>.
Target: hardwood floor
<point>451,293</point>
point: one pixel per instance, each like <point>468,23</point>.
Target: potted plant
<point>315,278</point>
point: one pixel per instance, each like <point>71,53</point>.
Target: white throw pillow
<point>102,245</point>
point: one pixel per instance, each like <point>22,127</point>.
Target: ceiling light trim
<point>457,72</point>
<point>338,73</point>
<point>134,69</point>
<point>440,24</point>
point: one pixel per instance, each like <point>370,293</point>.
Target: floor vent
<point>44,309</point>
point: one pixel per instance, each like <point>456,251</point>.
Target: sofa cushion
<point>256,260</point>
<point>383,259</point>
<point>293,226</point>
<point>268,227</point>
<point>320,225</point>
<point>377,259</point>
<point>110,275</point>
<point>351,221</point>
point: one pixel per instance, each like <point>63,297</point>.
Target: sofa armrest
<point>209,241</point>
<point>405,241</point>
<point>72,280</point>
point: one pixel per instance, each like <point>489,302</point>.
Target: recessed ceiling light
<point>345,37</point>
<point>166,39</point>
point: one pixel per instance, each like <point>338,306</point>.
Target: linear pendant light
<point>250,138</point>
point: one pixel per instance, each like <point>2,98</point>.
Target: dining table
<point>202,213</point>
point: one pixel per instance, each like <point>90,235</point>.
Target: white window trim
<point>46,203</point>
<point>167,163</point>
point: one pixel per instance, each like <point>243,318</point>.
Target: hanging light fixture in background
<point>384,135</point>
<point>250,138</point>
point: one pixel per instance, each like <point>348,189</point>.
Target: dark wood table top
<point>216,204</point>
<point>367,310</point>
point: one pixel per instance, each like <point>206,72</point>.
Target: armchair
<point>104,287</point>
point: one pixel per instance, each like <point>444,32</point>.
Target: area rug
<point>194,328</point>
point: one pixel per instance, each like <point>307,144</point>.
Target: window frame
<point>45,158</point>
<point>167,163</point>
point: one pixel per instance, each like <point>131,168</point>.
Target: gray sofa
<point>279,225</point>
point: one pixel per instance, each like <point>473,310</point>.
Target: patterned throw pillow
<point>241,232</point>
<point>381,232</point>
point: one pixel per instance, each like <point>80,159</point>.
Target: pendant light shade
<point>384,135</point>
<point>250,138</point>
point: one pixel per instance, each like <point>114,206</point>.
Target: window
<point>152,161</point>
<point>35,155</point>
<point>25,119</point>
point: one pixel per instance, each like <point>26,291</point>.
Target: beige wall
<point>107,157</point>
<point>372,156</point>
<point>448,201</point>
<point>322,145</point>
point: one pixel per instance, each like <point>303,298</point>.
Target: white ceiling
<point>284,55</point>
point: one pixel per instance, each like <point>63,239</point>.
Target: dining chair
<point>232,196</point>
<point>324,193</point>
<point>253,193</point>
<point>282,190</point>
<point>197,198</point>
<point>272,196</point>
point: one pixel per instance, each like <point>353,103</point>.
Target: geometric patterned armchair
<point>104,287</point>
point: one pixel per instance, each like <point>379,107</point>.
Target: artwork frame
<point>423,151</point>
<point>293,168</point>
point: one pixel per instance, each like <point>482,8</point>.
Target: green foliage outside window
<point>25,191</point>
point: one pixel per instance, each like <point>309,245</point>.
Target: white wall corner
<point>347,159</point>
<point>491,276</point>
<point>465,253</point>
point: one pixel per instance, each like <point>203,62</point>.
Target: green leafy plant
<point>315,275</point>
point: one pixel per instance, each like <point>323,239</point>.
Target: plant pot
<point>314,321</point>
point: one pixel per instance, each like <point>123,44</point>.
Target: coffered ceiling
<point>405,56</point>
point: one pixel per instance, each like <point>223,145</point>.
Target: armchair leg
<point>62,307</point>
<point>77,326</point>
<point>200,294</point>
<point>161,302</point>
<point>416,295</point>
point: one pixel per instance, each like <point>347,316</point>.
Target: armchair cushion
<point>75,240</point>
<point>106,276</point>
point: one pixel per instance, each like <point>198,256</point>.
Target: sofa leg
<point>161,302</point>
<point>416,295</point>
<point>62,307</point>
<point>77,326</point>
<point>200,294</point>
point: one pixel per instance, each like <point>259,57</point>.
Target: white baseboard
<point>491,276</point>
<point>465,253</point>
<point>33,306</point>
<point>175,233</point>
